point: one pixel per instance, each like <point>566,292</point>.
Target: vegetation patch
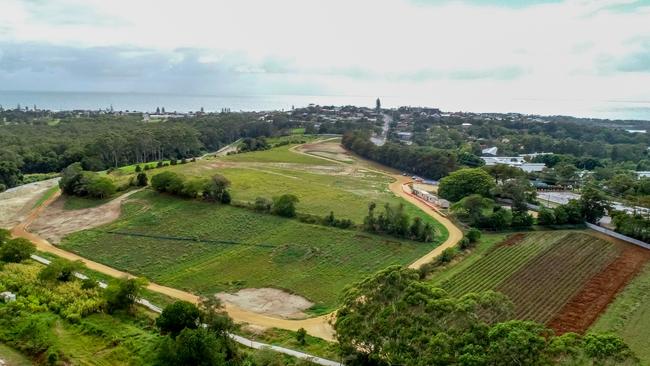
<point>301,255</point>
<point>542,272</point>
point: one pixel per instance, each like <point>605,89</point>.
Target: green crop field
<point>538,271</point>
<point>629,316</point>
<point>281,154</point>
<point>189,245</point>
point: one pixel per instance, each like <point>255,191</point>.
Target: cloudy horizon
<point>595,52</point>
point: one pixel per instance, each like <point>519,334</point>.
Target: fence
<point>616,235</point>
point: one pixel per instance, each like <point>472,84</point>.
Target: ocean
<point>144,102</point>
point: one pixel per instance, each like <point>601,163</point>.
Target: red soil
<point>583,309</point>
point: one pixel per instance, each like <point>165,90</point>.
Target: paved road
<point>381,139</point>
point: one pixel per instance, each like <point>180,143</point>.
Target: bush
<point>262,204</point>
<point>173,162</point>
<point>465,243</point>
<point>167,182</point>
<point>142,180</point>
<point>473,235</point>
<point>121,294</point>
<point>446,256</point>
<point>16,250</point>
<point>301,335</point>
<point>183,161</point>
<point>159,164</point>
<point>178,316</point>
<point>523,220</point>
<point>138,169</point>
<point>285,205</point>
<point>546,217</point>
<point>60,269</point>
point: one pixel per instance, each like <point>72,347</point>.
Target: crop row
<point>489,271</point>
<point>542,287</point>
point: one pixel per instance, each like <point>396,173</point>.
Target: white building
<point>490,151</point>
<point>7,296</point>
<point>643,174</point>
<point>514,161</point>
<point>431,198</point>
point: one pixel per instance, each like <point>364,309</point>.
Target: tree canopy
<point>465,182</point>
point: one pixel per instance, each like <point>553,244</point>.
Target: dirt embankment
<point>16,203</point>
<point>54,222</point>
<point>582,310</point>
<point>269,301</point>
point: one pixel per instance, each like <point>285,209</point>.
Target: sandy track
<point>317,326</point>
<point>53,223</point>
<point>16,203</point>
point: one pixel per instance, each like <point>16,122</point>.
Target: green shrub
<point>473,235</point>
<point>16,250</point>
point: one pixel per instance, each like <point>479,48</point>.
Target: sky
<point>575,50</point>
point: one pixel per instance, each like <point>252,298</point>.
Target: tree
<point>138,169</point>
<point>593,204</point>
<point>503,172</point>
<point>546,217</point>
<point>192,347</point>
<point>436,329</point>
<point>10,175</point>
<point>215,188</point>
<point>285,205</point>
<point>519,190</point>
<point>70,178</point>
<point>167,182</point>
<point>472,207</point>
<point>99,187</point>
<point>60,269</point>
<point>178,316</point>
<point>4,236</point>
<point>301,334</point>
<point>142,180</point>
<point>473,235</point>
<point>16,250</point>
<point>378,105</point>
<point>122,293</point>
<point>262,204</point>
<point>465,182</point>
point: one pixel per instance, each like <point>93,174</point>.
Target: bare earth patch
<point>268,301</point>
<point>55,222</point>
<point>15,203</point>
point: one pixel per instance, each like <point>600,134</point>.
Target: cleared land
<point>629,315</point>
<point>208,248</point>
<point>16,203</point>
<point>552,277</point>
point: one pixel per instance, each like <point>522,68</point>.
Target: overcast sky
<point>564,50</point>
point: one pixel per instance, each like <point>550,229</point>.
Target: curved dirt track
<point>317,326</point>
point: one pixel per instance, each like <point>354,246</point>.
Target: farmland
<point>547,275</point>
<point>629,315</point>
<point>208,248</point>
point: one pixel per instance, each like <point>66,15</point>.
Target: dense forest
<point>99,142</point>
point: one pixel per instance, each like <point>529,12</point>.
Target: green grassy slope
<point>274,251</point>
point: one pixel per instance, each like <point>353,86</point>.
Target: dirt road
<point>318,326</point>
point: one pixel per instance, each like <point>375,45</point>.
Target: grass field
<point>281,154</point>
<point>11,357</point>
<point>539,271</point>
<point>629,316</point>
<point>274,252</point>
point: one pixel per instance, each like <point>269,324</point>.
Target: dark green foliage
<point>178,316</point>
<point>285,205</point>
<point>263,204</point>
<point>138,169</point>
<point>16,250</point>
<point>76,181</point>
<point>121,294</point>
<point>435,329</point>
<point>427,162</point>
<point>330,220</point>
<point>465,182</point>
<point>10,175</point>
<point>198,347</point>
<point>394,221</point>
<point>169,182</point>
<point>593,204</point>
<point>142,180</point>
<point>60,269</point>
<point>465,244</point>
<point>253,144</point>
<point>301,335</point>
<point>89,284</point>
<point>473,235</point>
<point>546,217</point>
<point>4,235</point>
<point>521,220</point>
<point>636,226</point>
<point>446,256</point>
<point>216,189</point>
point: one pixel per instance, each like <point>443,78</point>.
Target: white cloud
<point>567,50</point>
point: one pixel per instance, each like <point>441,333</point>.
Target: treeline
<point>636,226</point>
<point>214,189</point>
<point>101,142</point>
<point>427,162</point>
<point>394,221</point>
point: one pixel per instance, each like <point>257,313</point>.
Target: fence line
<point>619,236</point>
